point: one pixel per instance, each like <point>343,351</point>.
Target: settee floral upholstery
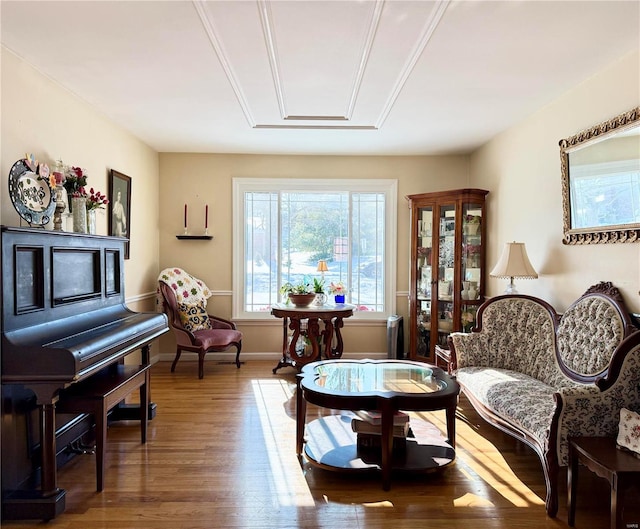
<point>588,334</point>
<point>544,378</point>
<point>590,410</point>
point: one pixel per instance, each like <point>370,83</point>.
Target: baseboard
<point>244,357</point>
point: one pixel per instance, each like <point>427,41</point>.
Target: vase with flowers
<point>471,224</point>
<point>468,318</point>
<point>78,207</point>
<point>471,253</point>
<point>424,256</point>
<point>75,178</point>
<point>95,201</point>
<point>339,291</point>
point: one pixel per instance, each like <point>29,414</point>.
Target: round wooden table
<point>387,386</point>
<point>321,341</point>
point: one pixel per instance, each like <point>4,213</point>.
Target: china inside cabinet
<point>447,267</point>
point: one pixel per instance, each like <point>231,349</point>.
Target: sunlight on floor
<point>278,429</point>
<point>378,504</point>
<point>477,458</point>
<point>471,500</point>
<point>481,461</point>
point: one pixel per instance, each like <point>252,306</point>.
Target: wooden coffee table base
<point>331,444</point>
<point>386,386</point>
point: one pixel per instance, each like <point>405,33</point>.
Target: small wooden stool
<point>100,393</point>
<point>600,455</point>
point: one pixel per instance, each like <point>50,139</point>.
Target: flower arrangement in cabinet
<point>424,256</point>
<point>471,253</point>
<point>471,224</point>
<point>468,318</point>
<point>472,219</point>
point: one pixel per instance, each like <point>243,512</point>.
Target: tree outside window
<point>285,232</point>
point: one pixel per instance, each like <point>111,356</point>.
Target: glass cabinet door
<point>471,265</point>
<point>424,279</point>
<point>446,271</point>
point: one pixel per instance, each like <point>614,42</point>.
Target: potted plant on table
<point>301,294</point>
<point>318,289</point>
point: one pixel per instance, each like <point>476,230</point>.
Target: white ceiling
<point>325,77</point>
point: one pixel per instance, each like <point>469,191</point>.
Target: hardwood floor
<point>221,453</point>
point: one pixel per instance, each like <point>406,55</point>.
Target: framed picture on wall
<point>120,207</point>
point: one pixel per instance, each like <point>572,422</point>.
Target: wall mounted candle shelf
<point>195,237</point>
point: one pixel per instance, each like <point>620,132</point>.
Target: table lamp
<point>322,267</point>
<point>514,263</point>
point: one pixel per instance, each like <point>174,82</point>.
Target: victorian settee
<point>542,377</point>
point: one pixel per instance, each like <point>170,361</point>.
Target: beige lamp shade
<point>322,266</point>
<point>514,262</point>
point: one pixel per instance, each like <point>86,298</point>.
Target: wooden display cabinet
<point>446,284</point>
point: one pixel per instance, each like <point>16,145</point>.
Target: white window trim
<point>387,186</point>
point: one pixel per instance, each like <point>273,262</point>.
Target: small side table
<point>600,455</point>
<point>443,356</point>
<point>326,342</point>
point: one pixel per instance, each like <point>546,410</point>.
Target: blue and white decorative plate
<point>31,194</point>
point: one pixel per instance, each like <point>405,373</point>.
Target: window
<point>283,227</point>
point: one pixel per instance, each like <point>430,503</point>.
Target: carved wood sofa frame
<point>542,377</point>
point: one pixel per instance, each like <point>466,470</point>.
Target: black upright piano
<point>64,319</point>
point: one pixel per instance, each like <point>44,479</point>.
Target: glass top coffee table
<point>386,386</point>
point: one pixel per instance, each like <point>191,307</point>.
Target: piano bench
<point>100,393</point>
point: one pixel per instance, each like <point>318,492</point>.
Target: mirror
<point>601,182</point>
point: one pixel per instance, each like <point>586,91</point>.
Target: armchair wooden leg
<point>201,365</point>
<point>175,360</point>
<point>238,356</point>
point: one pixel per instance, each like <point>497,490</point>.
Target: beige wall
<point>199,179</point>
<point>521,167</point>
<point>39,116</point>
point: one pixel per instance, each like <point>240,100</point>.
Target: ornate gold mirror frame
<point>601,182</point>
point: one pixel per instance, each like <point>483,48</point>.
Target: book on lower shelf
<point>368,442</point>
<point>375,417</point>
<point>360,426</point>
